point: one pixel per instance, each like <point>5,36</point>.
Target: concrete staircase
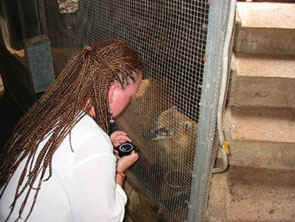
<point>259,120</point>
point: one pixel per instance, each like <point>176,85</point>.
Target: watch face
<point>126,147</point>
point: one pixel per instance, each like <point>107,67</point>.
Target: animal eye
<point>187,125</point>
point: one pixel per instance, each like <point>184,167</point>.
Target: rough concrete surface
<point>265,41</point>
<point>262,154</point>
<point>258,15</point>
<point>262,124</point>
<point>259,121</point>
<point>263,81</point>
<point>265,28</point>
<point>247,194</point>
<point>259,194</point>
<point>263,92</point>
<point>219,196</point>
<point>265,66</point>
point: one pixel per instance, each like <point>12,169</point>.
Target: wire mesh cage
<point>163,118</point>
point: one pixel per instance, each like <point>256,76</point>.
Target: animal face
<point>175,133</point>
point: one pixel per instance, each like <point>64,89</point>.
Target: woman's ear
<point>113,93</point>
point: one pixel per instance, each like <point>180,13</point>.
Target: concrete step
<point>252,194</point>
<point>260,124</point>
<point>265,28</point>
<point>219,197</point>
<point>263,81</point>
<point>262,155</point>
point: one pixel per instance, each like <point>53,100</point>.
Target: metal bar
<point>208,110</point>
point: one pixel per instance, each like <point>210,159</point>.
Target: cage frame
<point>206,134</point>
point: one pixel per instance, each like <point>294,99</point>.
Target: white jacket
<point>82,187</point>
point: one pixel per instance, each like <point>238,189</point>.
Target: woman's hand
<point>118,137</point>
<point>125,162</point>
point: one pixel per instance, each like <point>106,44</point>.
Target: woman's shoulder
<point>87,132</point>
<point>87,125</point>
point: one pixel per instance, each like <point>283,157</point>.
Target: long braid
<point>88,75</point>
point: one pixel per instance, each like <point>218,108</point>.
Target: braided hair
<point>87,76</point>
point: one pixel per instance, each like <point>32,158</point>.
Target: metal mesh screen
<point>162,120</point>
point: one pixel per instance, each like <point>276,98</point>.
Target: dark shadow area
<point>18,94</point>
<point>9,115</point>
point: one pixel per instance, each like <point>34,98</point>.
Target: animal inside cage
<point>163,118</point>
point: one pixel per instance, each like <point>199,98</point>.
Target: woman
<point>60,164</point>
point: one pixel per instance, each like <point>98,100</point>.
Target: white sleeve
<point>94,194</point>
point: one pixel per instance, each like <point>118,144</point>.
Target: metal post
<point>204,156</point>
